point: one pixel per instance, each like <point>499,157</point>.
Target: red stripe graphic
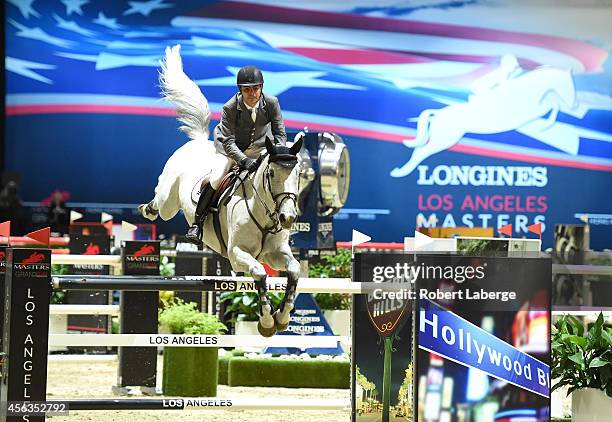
<point>87,108</point>
<point>299,124</point>
<point>356,56</point>
<point>590,56</point>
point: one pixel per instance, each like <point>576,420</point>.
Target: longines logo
<point>300,227</point>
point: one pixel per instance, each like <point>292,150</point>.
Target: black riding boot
<point>194,234</point>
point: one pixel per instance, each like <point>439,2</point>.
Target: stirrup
<point>195,238</point>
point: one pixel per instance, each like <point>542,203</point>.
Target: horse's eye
<point>271,173</point>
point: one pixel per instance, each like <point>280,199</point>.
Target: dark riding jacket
<point>236,131</point>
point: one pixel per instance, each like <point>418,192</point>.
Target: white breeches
<point>223,164</point>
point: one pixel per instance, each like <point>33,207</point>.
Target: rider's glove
<point>248,164</point>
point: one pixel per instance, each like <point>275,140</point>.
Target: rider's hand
<point>249,164</point>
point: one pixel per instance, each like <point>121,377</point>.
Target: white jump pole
<point>196,340</point>
<point>112,310</point>
<point>203,403</point>
<point>114,260</point>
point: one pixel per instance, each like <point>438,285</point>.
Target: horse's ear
<point>270,147</point>
<point>297,146</point>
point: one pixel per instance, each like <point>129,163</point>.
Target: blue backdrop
<point>453,113</point>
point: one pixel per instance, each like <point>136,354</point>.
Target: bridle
<point>274,215</point>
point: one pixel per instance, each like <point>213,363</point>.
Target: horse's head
<point>281,179</point>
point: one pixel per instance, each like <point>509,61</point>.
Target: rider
<point>249,117</point>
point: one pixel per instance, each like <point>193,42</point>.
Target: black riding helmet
<point>249,76</point>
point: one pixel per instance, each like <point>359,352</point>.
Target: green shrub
<point>244,306</point>
<point>333,266</point>
<point>58,296</point>
<point>290,373</point>
<point>224,368</point>
<point>179,317</point>
<point>580,358</point>
<point>189,371</point>
<point>167,267</point>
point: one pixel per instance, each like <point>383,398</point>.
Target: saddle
<point>226,188</point>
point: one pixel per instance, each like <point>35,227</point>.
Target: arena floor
<point>94,381</point>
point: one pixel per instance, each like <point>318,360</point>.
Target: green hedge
<point>289,373</point>
<point>223,368</point>
<point>190,371</point>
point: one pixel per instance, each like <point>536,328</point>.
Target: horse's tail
<point>191,106</point>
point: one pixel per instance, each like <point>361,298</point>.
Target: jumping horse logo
<point>92,249</point>
<point>506,99</point>
<point>145,250</point>
<point>35,258</point>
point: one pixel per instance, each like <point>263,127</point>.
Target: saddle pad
<point>197,188</point>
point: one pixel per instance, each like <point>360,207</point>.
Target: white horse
<point>255,220</point>
<point>512,104</point>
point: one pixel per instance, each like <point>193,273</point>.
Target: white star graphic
<point>279,82</point>
<point>107,22</point>
<point>24,68</point>
<point>210,42</point>
<point>39,34</point>
<point>141,34</point>
<point>106,61</point>
<point>126,45</point>
<point>112,61</point>
<point>74,6</point>
<point>146,7</point>
<point>25,7</point>
<point>72,26</point>
<point>74,56</point>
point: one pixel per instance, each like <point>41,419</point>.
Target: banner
<point>446,334</point>
<point>482,327</point>
<point>452,116</point>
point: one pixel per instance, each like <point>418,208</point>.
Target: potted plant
<point>189,371</point>
<point>582,360</point>
<point>335,306</point>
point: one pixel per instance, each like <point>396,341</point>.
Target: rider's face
<point>250,94</point>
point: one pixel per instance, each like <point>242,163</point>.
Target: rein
<point>273,216</point>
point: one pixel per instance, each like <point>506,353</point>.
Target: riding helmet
<point>249,76</point>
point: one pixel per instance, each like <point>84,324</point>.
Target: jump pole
<point>205,403</point>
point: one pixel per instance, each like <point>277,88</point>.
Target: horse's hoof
<point>144,209</point>
<point>280,326</point>
<point>266,332</point>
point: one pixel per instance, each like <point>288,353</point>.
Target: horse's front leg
<point>284,260</point>
<point>242,260</point>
